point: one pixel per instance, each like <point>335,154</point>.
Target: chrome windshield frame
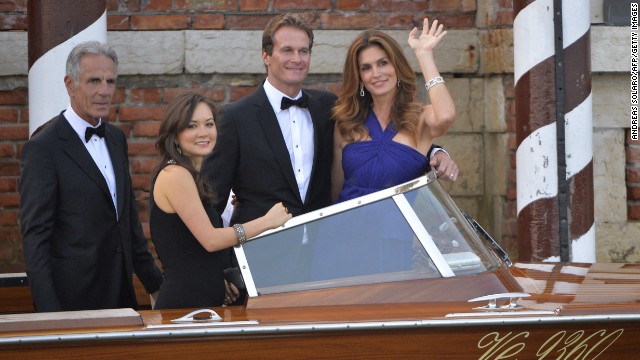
<point>397,195</point>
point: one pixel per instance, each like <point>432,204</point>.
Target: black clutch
<point>234,276</point>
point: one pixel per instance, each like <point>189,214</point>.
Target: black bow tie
<point>301,102</point>
<point>91,130</point>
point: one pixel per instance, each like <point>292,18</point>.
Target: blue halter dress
<point>345,248</point>
<point>380,163</point>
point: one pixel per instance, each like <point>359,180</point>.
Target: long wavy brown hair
<point>176,118</point>
<point>351,109</point>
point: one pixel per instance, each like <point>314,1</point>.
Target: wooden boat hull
<point>577,337</point>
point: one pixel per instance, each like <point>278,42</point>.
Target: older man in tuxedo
<point>81,233</point>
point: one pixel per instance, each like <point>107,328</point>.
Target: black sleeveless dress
<point>193,277</point>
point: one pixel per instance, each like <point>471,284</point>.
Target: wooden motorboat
<point>399,273</point>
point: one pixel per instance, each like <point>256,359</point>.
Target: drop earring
<point>398,84</point>
<point>362,90</point>
<point>178,149</point>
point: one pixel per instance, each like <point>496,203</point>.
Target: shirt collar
<point>275,96</point>
<point>78,124</point>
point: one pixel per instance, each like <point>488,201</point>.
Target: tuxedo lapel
<point>77,152</point>
<point>314,110</point>
<point>267,119</point>
<point>118,162</point>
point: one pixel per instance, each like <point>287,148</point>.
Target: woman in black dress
<point>186,230</point>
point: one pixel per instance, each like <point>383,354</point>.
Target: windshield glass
<point>413,231</point>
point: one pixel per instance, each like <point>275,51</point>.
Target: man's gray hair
<point>87,48</point>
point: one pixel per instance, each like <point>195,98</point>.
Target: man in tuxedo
<point>82,238</point>
<point>269,149</point>
<point>276,144</point>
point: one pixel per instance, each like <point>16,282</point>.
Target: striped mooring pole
<point>55,27</point>
<point>554,156</point>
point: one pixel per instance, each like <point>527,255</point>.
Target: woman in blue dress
<point>383,133</point>
<point>382,138</point>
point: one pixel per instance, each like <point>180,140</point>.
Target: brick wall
<point>140,99</point>
<point>139,102</point>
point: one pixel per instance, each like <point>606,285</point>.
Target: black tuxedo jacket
<point>251,158</point>
<point>78,253</point>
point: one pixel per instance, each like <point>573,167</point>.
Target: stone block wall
<point>166,47</point>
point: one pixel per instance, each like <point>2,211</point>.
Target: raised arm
<point>441,112</point>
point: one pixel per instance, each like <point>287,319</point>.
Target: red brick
<point>208,21</point>
<point>160,22</point>
<point>511,142</point>
<point>7,151</point>
<point>469,5</point>
<point>142,181</point>
<point>9,218</point>
<point>113,114</point>
<point>394,5</point>
<point>119,96</point>
<point>633,193</point>
<point>146,129</point>
<point>142,148</point>
<point>205,5</point>
<point>247,22</point>
<point>146,95</point>
<point>633,211</point>
<point>401,21</point>
<point>10,168</point>
<point>24,115</point>
<point>633,175</point>
<point>238,92</point>
<point>123,5</point>
<point>456,21</point>
<point>13,22</point>
<point>216,94</point>
<point>351,5</point>
<point>8,184</point>
<point>302,4</point>
<point>133,113</point>
<point>633,153</point>
<point>14,132</point>
<point>439,5</point>
<point>355,21</point>
<point>126,128</point>
<point>118,22</point>
<point>10,236</point>
<point>509,89</point>
<point>254,5</point>
<point>504,18</point>
<point>163,5</point>
<point>143,165</point>
<point>13,6</point>
<point>13,97</point>
<point>9,199</point>
<point>512,194</point>
<point>334,88</point>
<point>8,115</point>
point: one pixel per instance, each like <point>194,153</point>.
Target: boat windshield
<point>412,231</point>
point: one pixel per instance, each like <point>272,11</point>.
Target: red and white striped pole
<point>554,159</point>
<point>55,27</point>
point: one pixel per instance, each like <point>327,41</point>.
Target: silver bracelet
<point>240,234</point>
<point>433,82</point>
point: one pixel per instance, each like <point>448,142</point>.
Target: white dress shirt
<point>97,148</point>
<point>297,130</point>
